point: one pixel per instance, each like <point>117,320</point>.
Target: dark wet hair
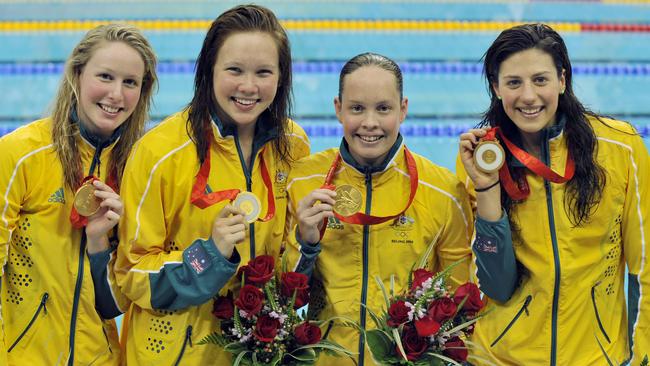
<point>371,59</point>
<point>584,190</point>
<point>240,19</point>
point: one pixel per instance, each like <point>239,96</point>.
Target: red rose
<point>259,270</point>
<point>419,277</point>
<point>223,307</point>
<point>413,344</point>
<point>266,328</point>
<point>398,314</point>
<point>473,303</point>
<point>442,309</point>
<point>307,333</point>
<point>250,300</point>
<point>455,348</point>
<point>293,281</point>
<point>426,326</point>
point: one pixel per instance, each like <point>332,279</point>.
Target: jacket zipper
<point>600,324</point>
<point>41,306</point>
<point>249,186</point>
<point>188,339</point>
<point>524,307</point>
<point>77,295</point>
<point>556,257</point>
<point>364,284</point>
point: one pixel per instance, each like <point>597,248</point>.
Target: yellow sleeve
<point>152,277</point>
<point>636,242</point>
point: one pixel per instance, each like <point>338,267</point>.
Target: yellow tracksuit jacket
<point>558,291</point>
<point>349,256</point>
<point>53,295</point>
<point>167,262</point>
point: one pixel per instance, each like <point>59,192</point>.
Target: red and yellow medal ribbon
<point>520,190</point>
<point>360,218</point>
<point>201,199</point>
<point>78,221</point>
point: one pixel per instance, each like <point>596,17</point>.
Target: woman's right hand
<point>311,212</point>
<point>468,142</point>
<point>228,229</point>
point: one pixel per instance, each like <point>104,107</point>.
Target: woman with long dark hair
<point>557,224</point>
<point>185,232</point>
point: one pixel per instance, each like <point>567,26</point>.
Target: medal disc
<point>489,156</point>
<point>249,204</point>
<point>85,201</point>
<point>348,200</point>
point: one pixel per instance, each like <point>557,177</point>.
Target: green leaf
<point>392,285</point>
<point>645,361</point>
<point>235,348</point>
<point>305,354</point>
<point>603,351</point>
<point>240,357</point>
<point>379,344</point>
<point>398,340</point>
<point>444,358</point>
<point>324,344</point>
<point>380,283</point>
<point>424,259</point>
<point>215,338</point>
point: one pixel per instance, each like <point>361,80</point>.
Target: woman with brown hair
<point>205,190</point>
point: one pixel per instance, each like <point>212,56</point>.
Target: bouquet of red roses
<point>427,323</point>
<point>261,326</point>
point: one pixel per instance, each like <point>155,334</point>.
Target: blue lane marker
<point>334,67</point>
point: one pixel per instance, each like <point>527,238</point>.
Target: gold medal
<point>489,156</point>
<point>348,200</point>
<point>249,204</point>
<point>85,201</point>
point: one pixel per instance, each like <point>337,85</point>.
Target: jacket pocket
<point>41,307</point>
<point>523,308</point>
<point>600,324</point>
<point>186,341</point>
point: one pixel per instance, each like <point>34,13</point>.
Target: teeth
<point>369,138</point>
<point>109,109</point>
<point>530,110</point>
<point>245,101</point>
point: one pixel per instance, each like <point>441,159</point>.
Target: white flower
<point>281,317</point>
<point>243,314</point>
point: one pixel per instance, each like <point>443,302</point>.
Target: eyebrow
<point>534,75</point>
<point>102,68</point>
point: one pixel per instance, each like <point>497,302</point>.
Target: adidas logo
<point>57,196</point>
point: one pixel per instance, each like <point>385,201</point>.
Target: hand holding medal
<point>482,156</point>
<point>101,208</point>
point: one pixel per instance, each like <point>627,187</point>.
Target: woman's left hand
<point>110,210</point>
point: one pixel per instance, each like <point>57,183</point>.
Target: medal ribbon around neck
<point>202,200</point>
<point>360,218</point>
<point>78,221</point>
<point>521,191</point>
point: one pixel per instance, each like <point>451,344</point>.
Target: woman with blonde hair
<point>59,178</point>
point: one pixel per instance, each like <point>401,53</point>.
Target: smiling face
<point>246,75</point>
<point>109,87</point>
<point>371,113</point>
<point>529,87</point>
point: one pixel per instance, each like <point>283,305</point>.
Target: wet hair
<point>584,190</point>
<point>240,19</point>
<point>371,59</point>
<point>65,130</point>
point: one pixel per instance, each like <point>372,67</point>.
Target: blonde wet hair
<point>65,130</point>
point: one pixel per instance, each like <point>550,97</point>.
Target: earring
<point>562,92</point>
<point>498,97</point>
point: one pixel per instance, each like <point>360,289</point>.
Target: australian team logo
<point>402,226</point>
<point>280,183</point>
